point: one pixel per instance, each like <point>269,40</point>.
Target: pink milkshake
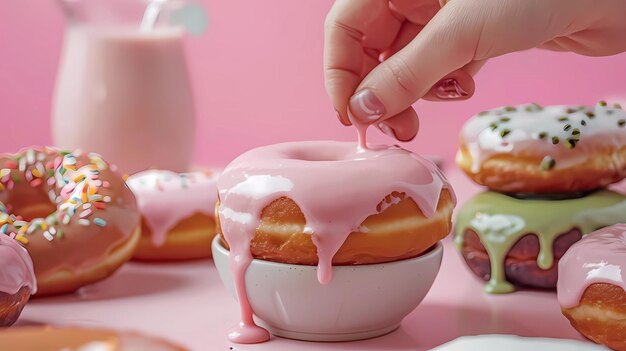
<point>125,93</point>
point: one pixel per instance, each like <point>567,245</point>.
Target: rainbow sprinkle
<point>71,184</point>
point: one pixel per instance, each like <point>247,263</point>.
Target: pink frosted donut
<point>177,212</point>
<point>592,286</point>
<point>323,203</point>
<point>17,278</point>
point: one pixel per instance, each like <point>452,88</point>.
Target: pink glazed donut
<point>328,203</point>
<point>177,211</point>
<point>592,286</point>
<point>17,279</point>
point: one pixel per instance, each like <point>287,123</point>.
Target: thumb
<point>461,32</point>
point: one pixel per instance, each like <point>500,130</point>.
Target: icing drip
<point>599,257</point>
<point>500,221</point>
<point>555,131</point>
<point>16,267</point>
<point>165,198</point>
<point>336,185</point>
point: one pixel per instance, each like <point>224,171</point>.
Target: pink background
<point>257,75</point>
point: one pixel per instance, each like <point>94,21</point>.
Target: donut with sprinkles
<point>72,212</point>
<point>552,149</point>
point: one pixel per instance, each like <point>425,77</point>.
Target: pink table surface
<point>186,302</point>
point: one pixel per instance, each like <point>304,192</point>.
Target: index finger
<point>352,31</point>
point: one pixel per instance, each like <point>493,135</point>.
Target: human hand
<point>380,56</point>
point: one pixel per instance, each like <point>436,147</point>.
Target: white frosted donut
<point>515,343</point>
<point>552,149</point>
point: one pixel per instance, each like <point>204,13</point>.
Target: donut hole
<point>29,202</point>
<point>304,155</point>
<point>314,154</point>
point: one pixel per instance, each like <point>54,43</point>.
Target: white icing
<point>95,346</point>
<point>260,186</point>
<point>239,217</point>
<point>604,270</point>
<point>497,227</point>
<point>525,123</point>
<point>516,343</point>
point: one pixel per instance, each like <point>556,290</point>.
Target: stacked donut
<point>546,169</point>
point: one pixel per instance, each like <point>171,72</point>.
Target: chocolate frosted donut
<point>553,149</point>
<point>506,240</point>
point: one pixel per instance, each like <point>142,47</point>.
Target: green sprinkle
<point>571,143</point>
<point>483,113</point>
<point>50,172</point>
<point>567,127</point>
<point>509,108</point>
<point>563,119</point>
<point>65,152</point>
<point>576,131</point>
<point>555,140</point>
<point>602,103</point>
<point>533,106</point>
<point>16,177</point>
<point>547,163</point>
<point>543,135</point>
<point>493,126</point>
<point>59,233</point>
<point>504,132</point>
<point>505,119</point>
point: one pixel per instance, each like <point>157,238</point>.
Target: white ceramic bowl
<point>362,301</point>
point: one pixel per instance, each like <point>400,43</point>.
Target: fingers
<point>402,127</point>
<point>406,76</point>
<point>354,28</point>
<point>461,32</point>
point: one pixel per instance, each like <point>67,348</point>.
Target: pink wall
<point>258,79</point>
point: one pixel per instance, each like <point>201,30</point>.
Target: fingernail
<point>450,89</point>
<point>341,119</point>
<point>366,107</point>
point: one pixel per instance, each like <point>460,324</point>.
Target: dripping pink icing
<point>16,267</point>
<point>337,185</point>
<point>165,198</point>
<point>599,257</point>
